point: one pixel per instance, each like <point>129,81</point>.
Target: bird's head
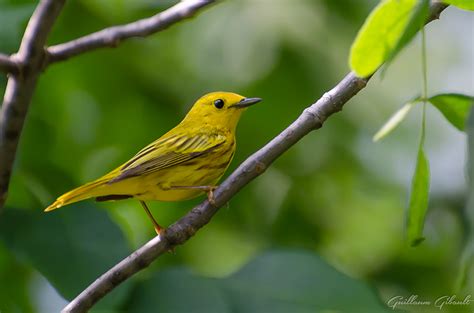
<point>222,109</point>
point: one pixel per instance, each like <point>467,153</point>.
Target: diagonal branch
<point>7,64</point>
<point>312,118</point>
<point>21,85</point>
<point>113,36</point>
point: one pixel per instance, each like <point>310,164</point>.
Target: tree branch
<point>312,118</point>
<point>7,65</point>
<point>32,58</point>
<point>113,36</point>
<point>21,85</point>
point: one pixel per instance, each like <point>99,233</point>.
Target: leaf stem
<point>424,94</point>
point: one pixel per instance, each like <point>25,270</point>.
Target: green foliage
<point>419,196</point>
<point>417,21</point>
<point>277,281</point>
<point>67,247</point>
<point>454,107</point>
<point>463,4</point>
<point>389,27</point>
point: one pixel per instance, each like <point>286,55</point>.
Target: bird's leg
<point>158,228</point>
<point>208,189</point>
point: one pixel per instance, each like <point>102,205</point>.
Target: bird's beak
<point>245,102</point>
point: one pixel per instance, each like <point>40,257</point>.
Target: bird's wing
<point>169,151</point>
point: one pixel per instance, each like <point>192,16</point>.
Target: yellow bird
<point>184,163</point>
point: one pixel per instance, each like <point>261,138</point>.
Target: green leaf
<point>417,20</point>
<point>70,247</point>
<point>418,198</point>
<point>277,282</point>
<point>393,121</point>
<point>466,269</point>
<point>455,107</point>
<point>380,35</point>
<point>462,4</point>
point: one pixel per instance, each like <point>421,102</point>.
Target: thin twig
<point>113,36</point>
<point>312,118</point>
<point>8,65</point>
<point>21,85</point>
<point>33,58</point>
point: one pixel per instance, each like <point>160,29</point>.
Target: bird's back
<point>183,163</point>
<point>202,158</point>
<point>182,157</point>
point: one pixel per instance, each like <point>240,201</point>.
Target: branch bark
<point>113,36</point>
<point>311,119</point>
<point>7,64</point>
<point>21,85</point>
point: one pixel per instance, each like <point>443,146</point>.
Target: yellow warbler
<point>184,163</point>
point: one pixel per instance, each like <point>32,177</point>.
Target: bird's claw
<point>159,230</point>
<point>210,195</point>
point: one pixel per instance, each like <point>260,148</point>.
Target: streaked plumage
<point>194,153</point>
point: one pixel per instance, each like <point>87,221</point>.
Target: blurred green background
<point>322,229</point>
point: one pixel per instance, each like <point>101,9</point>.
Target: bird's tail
<point>81,193</point>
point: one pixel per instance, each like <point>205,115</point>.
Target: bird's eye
<point>219,103</point>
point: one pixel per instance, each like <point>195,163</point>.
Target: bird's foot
<point>210,195</point>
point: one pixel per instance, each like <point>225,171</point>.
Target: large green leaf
<point>463,4</point>
<point>381,34</point>
<point>418,199</point>
<point>417,20</point>
<point>278,282</point>
<point>455,107</point>
<point>70,247</point>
